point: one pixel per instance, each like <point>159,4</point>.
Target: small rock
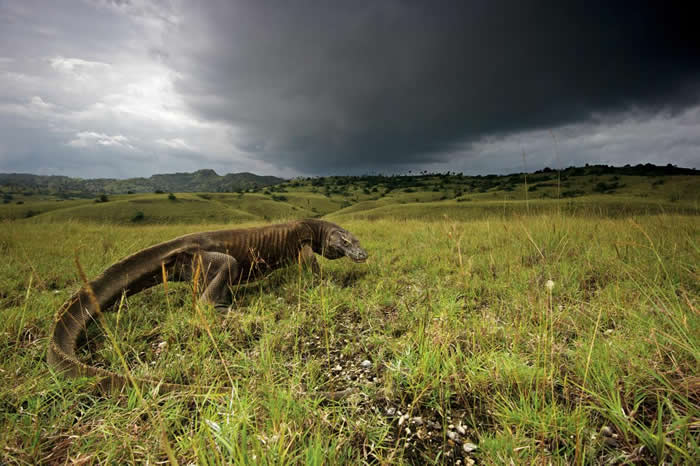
<point>365,364</point>
<point>417,420</point>
<point>434,425</point>
<point>451,426</point>
<point>468,447</point>
<point>403,418</point>
<point>461,429</point>
<point>606,431</point>
<point>451,435</point>
<point>390,411</point>
<point>337,368</point>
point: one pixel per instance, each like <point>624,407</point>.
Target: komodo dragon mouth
<point>347,244</point>
<point>218,258</point>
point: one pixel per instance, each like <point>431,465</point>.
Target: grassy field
<point>492,330</point>
<point>427,197</point>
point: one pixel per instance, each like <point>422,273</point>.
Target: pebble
<point>606,431</point>
<point>461,429</point>
<point>337,368</point>
<point>434,425</point>
<point>417,420</point>
<point>451,435</point>
<point>468,447</point>
<point>390,411</point>
<point>403,418</point>
<point>366,364</point>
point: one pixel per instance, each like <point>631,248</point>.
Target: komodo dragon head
<point>335,242</point>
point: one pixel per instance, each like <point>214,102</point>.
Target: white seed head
<point>549,285</point>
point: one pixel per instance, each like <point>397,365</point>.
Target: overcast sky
<point>96,88</point>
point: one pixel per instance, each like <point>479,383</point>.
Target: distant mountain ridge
<point>205,180</point>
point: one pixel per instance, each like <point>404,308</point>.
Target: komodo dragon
<point>221,258</point>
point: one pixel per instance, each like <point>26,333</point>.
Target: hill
<point>605,191</point>
<point>199,181</point>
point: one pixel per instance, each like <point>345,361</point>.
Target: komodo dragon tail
<point>85,305</point>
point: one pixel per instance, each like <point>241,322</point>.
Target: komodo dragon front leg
<point>308,258</point>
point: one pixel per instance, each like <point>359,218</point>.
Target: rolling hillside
<point>600,190</point>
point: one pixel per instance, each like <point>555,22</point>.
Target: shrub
<point>102,198</point>
<point>138,216</point>
<point>603,187</point>
<point>172,197</point>
<point>572,193</point>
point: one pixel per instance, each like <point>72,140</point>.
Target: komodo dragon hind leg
<point>215,272</point>
<point>220,272</point>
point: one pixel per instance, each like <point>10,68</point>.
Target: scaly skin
<point>219,259</point>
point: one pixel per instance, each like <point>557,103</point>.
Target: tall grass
<point>535,339</point>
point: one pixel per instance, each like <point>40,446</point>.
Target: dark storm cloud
<point>324,87</point>
<point>135,87</point>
